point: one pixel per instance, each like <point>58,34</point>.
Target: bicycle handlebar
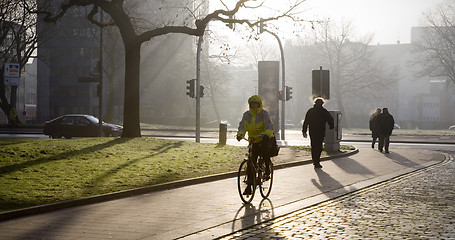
<point>252,139</point>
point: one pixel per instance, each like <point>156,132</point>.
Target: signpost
<point>321,83</point>
<point>12,74</point>
<point>12,81</point>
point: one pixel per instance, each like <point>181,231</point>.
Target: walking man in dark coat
<point>385,123</point>
<point>316,118</point>
<point>374,126</point>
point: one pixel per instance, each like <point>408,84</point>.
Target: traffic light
<point>288,93</point>
<point>201,91</point>
<point>280,96</point>
<point>261,26</point>
<point>191,88</point>
<point>230,24</point>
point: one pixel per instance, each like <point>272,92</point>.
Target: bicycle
<point>258,171</point>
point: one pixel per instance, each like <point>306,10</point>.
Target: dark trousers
<point>384,141</point>
<point>259,149</point>
<point>316,149</point>
<point>375,136</point>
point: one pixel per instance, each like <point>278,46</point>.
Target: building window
<point>83,92</point>
<point>82,52</point>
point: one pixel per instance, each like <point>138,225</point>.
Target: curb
<point>137,191</point>
<point>400,141</point>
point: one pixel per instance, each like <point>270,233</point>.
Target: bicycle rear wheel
<point>266,184</point>
<point>242,182</point>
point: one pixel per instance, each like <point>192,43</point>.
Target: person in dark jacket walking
<point>385,124</point>
<point>316,118</point>
<point>374,126</point>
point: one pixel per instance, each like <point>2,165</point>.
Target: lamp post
<point>282,82</point>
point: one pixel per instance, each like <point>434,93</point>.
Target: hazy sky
<point>390,20</point>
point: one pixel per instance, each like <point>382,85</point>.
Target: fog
<point>229,75</point>
<point>369,47</point>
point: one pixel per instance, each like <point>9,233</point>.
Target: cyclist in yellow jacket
<point>257,123</point>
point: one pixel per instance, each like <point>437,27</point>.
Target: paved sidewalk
<point>213,209</point>
<point>419,205</point>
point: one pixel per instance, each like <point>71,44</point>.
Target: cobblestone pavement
<point>419,205</point>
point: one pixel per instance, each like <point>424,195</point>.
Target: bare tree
<point>134,33</point>
<point>18,41</point>
<point>262,51</point>
<point>355,72</point>
<point>438,45</point>
<point>436,51</point>
<point>215,78</point>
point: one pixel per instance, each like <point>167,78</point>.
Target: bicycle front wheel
<point>243,183</point>
<point>266,183</point>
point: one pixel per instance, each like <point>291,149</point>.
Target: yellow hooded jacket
<point>256,122</point>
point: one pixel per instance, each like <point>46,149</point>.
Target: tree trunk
<point>340,104</point>
<point>344,119</point>
<point>131,119</point>
<point>212,94</point>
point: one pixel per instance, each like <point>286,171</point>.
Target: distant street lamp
<point>283,87</point>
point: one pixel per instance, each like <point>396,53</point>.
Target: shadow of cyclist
<point>252,215</point>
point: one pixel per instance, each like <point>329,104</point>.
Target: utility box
<point>333,136</point>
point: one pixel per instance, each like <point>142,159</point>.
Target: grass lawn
<point>40,171</point>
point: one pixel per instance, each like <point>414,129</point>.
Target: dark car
<point>79,125</point>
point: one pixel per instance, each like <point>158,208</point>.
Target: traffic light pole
<point>100,86</point>
<point>198,89</point>
<point>283,87</point>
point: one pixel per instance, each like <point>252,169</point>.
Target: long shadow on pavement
<point>327,184</point>
<point>400,159</point>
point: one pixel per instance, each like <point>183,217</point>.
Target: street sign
<point>12,81</point>
<point>12,74</point>
<point>321,84</point>
<point>12,70</point>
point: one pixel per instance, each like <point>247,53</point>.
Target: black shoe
<point>372,145</point>
<point>386,151</point>
<point>380,150</point>
<point>247,191</point>
<point>317,166</point>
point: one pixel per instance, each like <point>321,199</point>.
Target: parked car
<point>79,125</point>
<point>452,127</point>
